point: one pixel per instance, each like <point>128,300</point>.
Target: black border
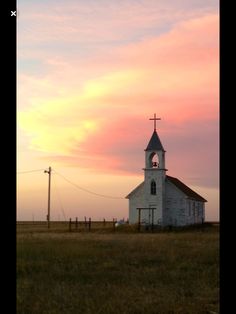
<point>227,159</point>
<point>8,156</point>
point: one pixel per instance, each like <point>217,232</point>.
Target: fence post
<point>104,222</point>
<point>70,225</point>
<point>76,223</point>
<point>89,224</point>
<point>85,222</point>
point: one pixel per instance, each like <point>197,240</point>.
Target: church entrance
<point>148,214</point>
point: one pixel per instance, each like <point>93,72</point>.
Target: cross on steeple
<point>155,119</point>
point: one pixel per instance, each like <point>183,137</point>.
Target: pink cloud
<point>174,75</point>
<point>192,149</point>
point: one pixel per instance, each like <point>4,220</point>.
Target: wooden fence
<point>72,225</point>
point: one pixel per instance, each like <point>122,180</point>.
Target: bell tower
<point>154,175</point>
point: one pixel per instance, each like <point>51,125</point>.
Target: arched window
<point>153,187</point>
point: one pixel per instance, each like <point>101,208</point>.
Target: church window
<point>153,187</point>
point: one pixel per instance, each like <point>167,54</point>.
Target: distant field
<point>122,271</point>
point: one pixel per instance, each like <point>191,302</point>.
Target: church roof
<point>185,189</point>
<point>154,143</point>
<point>136,189</point>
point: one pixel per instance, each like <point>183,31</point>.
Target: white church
<point>161,199</point>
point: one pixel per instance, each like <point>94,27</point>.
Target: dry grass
<point>117,272</point>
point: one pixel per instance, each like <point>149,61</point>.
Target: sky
<point>90,74</point>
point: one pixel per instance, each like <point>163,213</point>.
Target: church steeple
<point>155,153</point>
<point>154,143</point>
<point>155,174</point>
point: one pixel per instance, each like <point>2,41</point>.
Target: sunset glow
<point>90,75</point>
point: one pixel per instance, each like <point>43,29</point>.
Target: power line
<point>20,172</point>
<point>74,184</point>
<point>85,190</point>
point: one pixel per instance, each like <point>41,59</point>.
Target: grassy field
<point>103,271</point>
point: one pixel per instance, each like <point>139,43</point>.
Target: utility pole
<point>49,192</point>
